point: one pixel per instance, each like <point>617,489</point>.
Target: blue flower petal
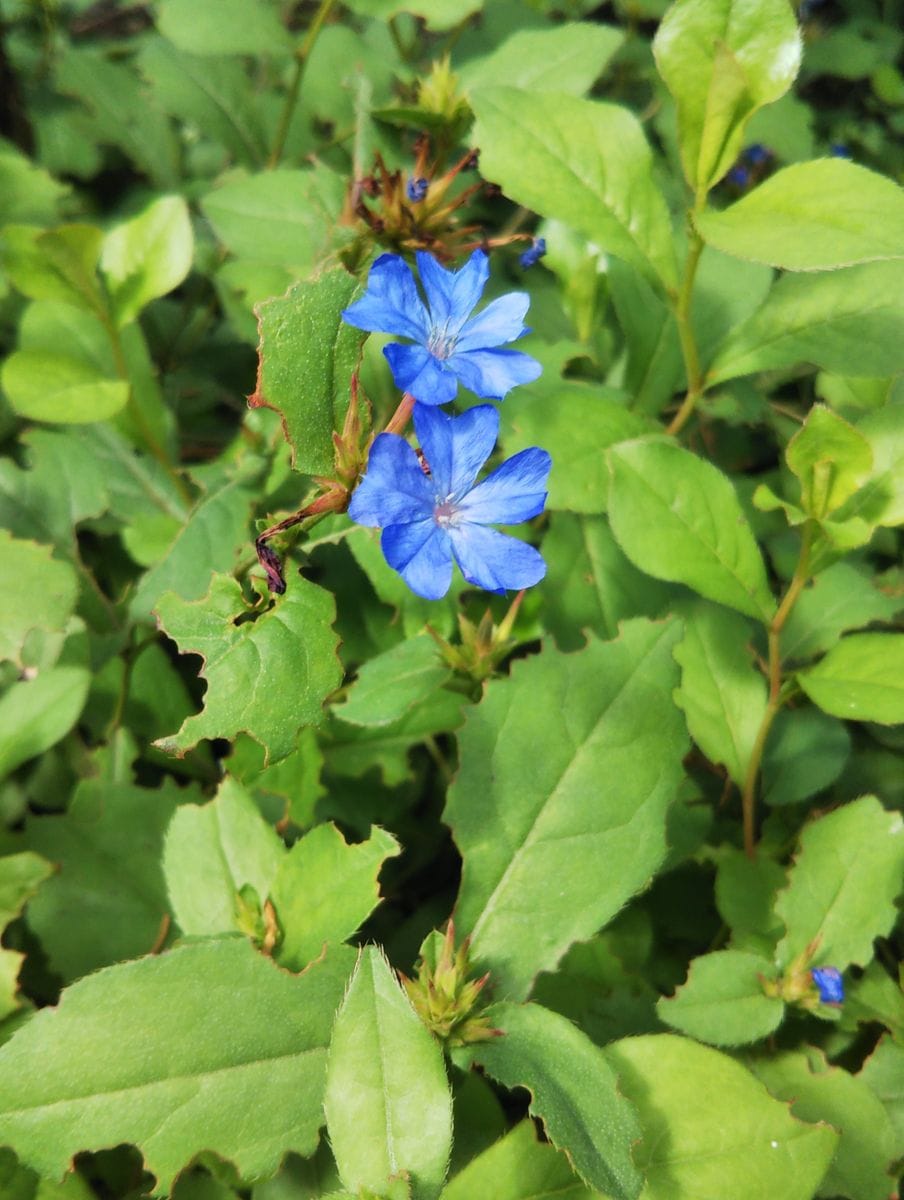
<point>394,489</point>
<point>422,555</point>
<point>829,984</point>
<point>456,447</point>
<point>391,303</point>
<point>415,370</point>
<point>501,321</point>
<point>491,374</point>
<point>494,561</point>
<point>514,492</point>
<point>451,295</point>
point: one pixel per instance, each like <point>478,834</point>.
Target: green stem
<point>689,351</point>
<point>302,54</point>
<point>774,704</point>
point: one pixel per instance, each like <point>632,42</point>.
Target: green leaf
<point>838,599</point>
<point>850,321</point>
<point>393,682</point>
<point>812,216</point>
<point>860,679</point>
<point>20,877</point>
<point>677,517</point>
<point>27,191</point>
<point>109,898</point>
<point>223,27</point>
<point>325,889</point>
<point>805,753</point>
<point>711,1129</point>
<point>388,1107</point>
<point>881,499</point>
<point>745,897</point>
<point>280,218</point>
<point>722,694</point>
<point>56,264</point>
<point>36,713</point>
<point>250,1096</point>
<point>883,1073</point>
<point>528,837</point>
<point>36,592</point>
<point>581,162</point>
<point>148,256</point>
<point>565,58</point>
<point>211,853</point>
<point>723,60</point>
<point>831,460</point>
<point>209,540</point>
<point>60,389</point>
<point>722,1001</point>
<point>548,418</point>
<point>307,356</point>
<point>842,887</point>
<point>518,1167</point>
<point>574,1091</point>
<point>251,667</point>
<point>438,14</point>
<point>818,1092</point>
<point>590,584</point>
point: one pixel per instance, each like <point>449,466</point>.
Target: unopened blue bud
<point>417,190</point>
<point>739,176</point>
<point>839,150</point>
<point>829,984</point>
<point>532,256</point>
<point>757,154</point>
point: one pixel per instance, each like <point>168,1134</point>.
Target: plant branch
<point>689,351</point>
<point>302,54</point>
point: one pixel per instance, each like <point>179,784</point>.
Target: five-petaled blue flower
<point>428,519</point>
<point>829,984</point>
<point>451,346</point>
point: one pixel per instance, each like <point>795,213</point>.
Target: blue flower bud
<point>533,255</point>
<point>839,150</point>
<point>416,189</point>
<point>739,176</point>
<point>757,154</point>
<point>829,984</point>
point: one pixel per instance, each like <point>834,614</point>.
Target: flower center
<point>441,343</point>
<point>445,513</point>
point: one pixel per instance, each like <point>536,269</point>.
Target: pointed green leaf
<point>745,897</point>
<point>722,1000</point>
<point>250,668</point>
<point>223,27</point>
<point>36,592</point>
<point>722,60</point>
<point>849,321</point>
<point>36,713</point>
<point>391,683</point>
<point>20,877</point>
<point>307,356</point>
<point>55,264</point>
<point>722,694</point>
<point>883,1073</point>
<point>812,216</point>
<point>60,389</point>
<point>677,517</point>
<point>148,256</point>
<point>558,58</point>
<point>518,1167</point>
<point>211,853</point>
<point>325,889</point>
<point>528,837</point>
<point>843,885</point>
<point>711,1129</point>
<point>840,598</point>
<point>860,679</point>
<point>881,499</point>
<point>830,458</point>
<point>388,1106</point>
<point>581,162</point>
<point>818,1092</point>
<point>109,899</point>
<point>574,1091</point>
<point>237,1067</point>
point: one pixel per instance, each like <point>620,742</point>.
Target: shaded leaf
<point>722,1000</point>
<point>860,679</point>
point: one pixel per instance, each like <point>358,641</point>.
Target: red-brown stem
<point>398,422</point>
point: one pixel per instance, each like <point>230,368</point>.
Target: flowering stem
<point>335,499</point>
<point>302,54</point>
<point>774,704</point>
<point>398,422</point>
<point>686,336</point>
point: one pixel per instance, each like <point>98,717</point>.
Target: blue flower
<point>416,189</point>
<point>829,984</point>
<point>451,346</point>
<point>533,254</point>
<point>429,518</point>
<point>739,176</point>
<point>757,154</point>
<point>839,150</point>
